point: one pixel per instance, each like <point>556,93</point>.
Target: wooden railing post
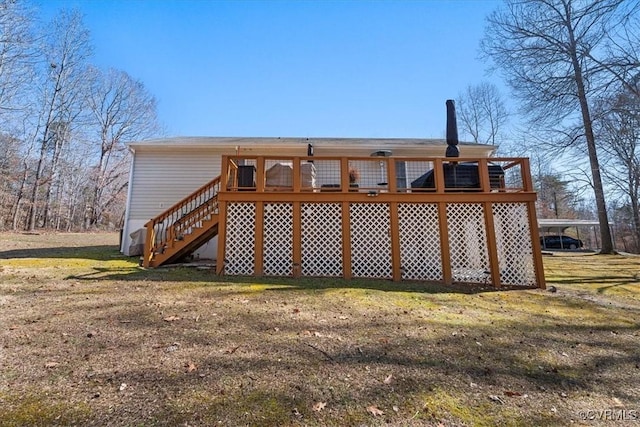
<point>438,175</point>
<point>392,182</point>
<point>344,174</point>
<point>260,174</point>
<point>483,171</point>
<point>148,244</point>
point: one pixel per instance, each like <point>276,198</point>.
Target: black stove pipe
<point>452,130</point>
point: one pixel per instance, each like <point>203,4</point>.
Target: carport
<point>585,229</point>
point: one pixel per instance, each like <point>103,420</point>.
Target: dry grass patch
<point>90,338</point>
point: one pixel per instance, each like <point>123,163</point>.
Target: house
<point>342,207</point>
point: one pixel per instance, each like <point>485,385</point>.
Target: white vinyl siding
<point>162,178</point>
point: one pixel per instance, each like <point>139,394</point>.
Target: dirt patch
<point>90,338</point>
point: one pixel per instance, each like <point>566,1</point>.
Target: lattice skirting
<point>468,243</point>
<point>240,240</point>
<point>321,243</point>
<point>513,238</point>
<point>370,240</point>
<point>321,239</point>
<point>420,252</point>
<point>278,239</point>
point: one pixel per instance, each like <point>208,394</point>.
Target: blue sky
<point>293,68</point>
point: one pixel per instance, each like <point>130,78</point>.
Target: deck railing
<point>177,221</point>
<point>376,174</point>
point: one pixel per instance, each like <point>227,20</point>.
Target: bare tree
<point>122,110</point>
<point>67,51</point>
<point>482,113</point>
<point>545,49</point>
<point>17,54</point>
<point>619,130</point>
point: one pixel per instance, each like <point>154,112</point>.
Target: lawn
<point>88,337</point>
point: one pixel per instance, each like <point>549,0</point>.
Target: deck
<point>471,220</point>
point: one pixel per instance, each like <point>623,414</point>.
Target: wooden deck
<point>403,219</point>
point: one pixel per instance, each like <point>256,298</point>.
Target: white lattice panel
<point>420,256</point>
<point>513,238</point>
<point>468,242</point>
<point>370,240</point>
<point>240,240</point>
<point>278,239</point>
<point>321,239</point>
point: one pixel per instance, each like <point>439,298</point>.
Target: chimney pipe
<point>452,130</point>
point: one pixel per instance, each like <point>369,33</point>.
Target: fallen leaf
<point>512,393</point>
<point>319,406</point>
<point>191,367</point>
<point>373,410</point>
<point>396,409</point>
<point>231,350</point>
<point>496,399</point>
<point>388,379</point>
<point>51,365</point>
<point>171,318</point>
<point>122,387</point>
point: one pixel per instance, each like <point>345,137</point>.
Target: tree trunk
<point>603,218</point>
<point>36,186</point>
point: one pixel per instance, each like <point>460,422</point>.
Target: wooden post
<point>535,245</point>
<point>392,182</point>
<point>395,242</point>
<point>222,237</point>
<point>260,174</point>
<point>438,175</point>
<point>297,237</point>
<point>259,240</point>
<point>297,178</point>
<point>483,174</point>
<point>344,174</point>
<point>492,247</point>
<point>148,244</point>
<point>346,240</point>
<point>445,253</point>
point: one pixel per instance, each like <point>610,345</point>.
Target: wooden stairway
<point>184,227</point>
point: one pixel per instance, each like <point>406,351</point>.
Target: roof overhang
<point>561,224</point>
<point>247,146</point>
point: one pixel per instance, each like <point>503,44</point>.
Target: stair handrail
<point>161,230</point>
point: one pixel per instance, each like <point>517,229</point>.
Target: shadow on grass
<point>98,253</point>
<point>613,280</point>
<point>207,277</point>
